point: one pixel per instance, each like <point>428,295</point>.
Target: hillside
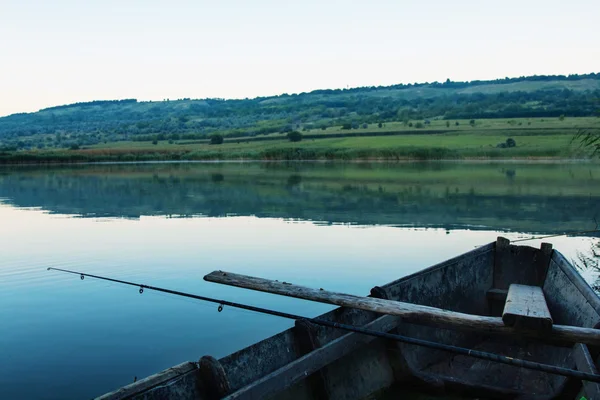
<point>97,122</point>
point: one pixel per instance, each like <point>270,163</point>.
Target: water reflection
<point>522,197</point>
<point>63,338</point>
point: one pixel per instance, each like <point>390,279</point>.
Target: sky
<point>65,51</point>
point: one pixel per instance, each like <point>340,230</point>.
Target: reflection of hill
<point>540,198</point>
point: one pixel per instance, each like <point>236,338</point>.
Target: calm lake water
<point>344,227</point>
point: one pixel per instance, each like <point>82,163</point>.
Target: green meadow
<point>433,140</point>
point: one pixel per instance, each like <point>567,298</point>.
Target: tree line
<point>113,120</point>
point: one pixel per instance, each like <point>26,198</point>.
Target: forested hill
<point>102,121</point>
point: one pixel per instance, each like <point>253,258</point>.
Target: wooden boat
<point>548,315</point>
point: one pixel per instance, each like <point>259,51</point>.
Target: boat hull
<point>310,361</point>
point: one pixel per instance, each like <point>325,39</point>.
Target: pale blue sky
<point>64,51</point>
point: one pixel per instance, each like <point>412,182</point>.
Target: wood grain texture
<point>410,312</point>
<point>135,389</point>
<point>497,295</point>
<point>585,363</point>
<point>457,284</point>
<point>213,377</point>
<point>577,280</point>
<point>523,265</point>
<point>467,259</point>
<point>307,341</point>
<point>526,307</point>
<point>303,367</point>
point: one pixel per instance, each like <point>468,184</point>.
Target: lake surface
<point>343,227</point>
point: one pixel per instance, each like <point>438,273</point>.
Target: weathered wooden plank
<point>465,258</point>
<point>307,341</point>
<point>496,299</point>
<point>213,378</point>
<point>497,294</point>
<point>149,382</point>
<point>585,363</point>
<point>543,261</point>
<point>304,366</point>
<point>410,312</point>
<point>458,284</point>
<point>502,248</point>
<point>577,280</point>
<point>526,307</point>
<point>520,264</point>
<point>273,353</point>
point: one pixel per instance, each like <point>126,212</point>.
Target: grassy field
<point>511,124</point>
<point>535,138</point>
<point>501,125</point>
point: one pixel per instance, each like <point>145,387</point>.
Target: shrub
<point>294,136</point>
<point>509,143</point>
<point>216,139</point>
<point>588,139</point>
<point>419,125</point>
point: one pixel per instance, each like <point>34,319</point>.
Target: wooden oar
<point>409,312</point>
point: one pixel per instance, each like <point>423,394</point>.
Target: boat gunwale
<point>165,377</point>
<point>576,279</point>
<point>479,251</point>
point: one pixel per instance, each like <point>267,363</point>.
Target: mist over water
<point>344,227</point>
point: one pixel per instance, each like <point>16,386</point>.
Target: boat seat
<point>526,308</point>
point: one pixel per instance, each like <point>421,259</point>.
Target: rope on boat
<point>551,369</point>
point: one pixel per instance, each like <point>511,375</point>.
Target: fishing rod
<point>595,230</point>
<point>556,235</point>
<point>351,328</point>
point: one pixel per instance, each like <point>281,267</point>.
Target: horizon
<point>484,81</point>
<point>68,52</point>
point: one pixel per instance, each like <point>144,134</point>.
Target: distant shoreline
<point>521,140</point>
<point>60,160</point>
